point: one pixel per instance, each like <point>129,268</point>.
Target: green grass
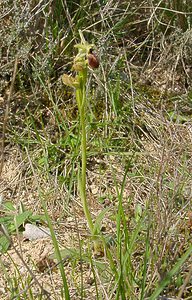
<point>138,131</point>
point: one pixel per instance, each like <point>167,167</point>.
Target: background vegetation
<point>139,149</point>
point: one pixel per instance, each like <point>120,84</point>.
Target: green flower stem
<point>80,65</point>
<point>81,101</point>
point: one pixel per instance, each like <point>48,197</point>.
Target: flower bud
<point>70,81</point>
<point>79,66</point>
<point>93,60</point>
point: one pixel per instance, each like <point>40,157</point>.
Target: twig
<point>6,115</point>
<point>186,281</point>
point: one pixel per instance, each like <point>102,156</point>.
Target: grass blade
<point>170,274</point>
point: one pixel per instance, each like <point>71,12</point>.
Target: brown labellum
<point>93,60</point>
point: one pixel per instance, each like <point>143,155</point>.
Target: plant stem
<point>81,101</point>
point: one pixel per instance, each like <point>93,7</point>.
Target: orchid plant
<point>85,58</point>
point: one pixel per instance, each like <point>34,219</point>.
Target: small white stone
<point>33,232</point>
<point>94,189</point>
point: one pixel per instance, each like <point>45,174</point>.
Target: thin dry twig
<point>186,281</point>
<point>6,115</point>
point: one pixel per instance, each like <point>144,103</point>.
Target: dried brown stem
<point>6,115</point>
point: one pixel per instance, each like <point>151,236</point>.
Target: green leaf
<point>8,206</point>
<point>4,244</point>
<point>98,220</point>
<point>67,254</point>
<point>58,254</point>
<point>138,212</point>
<point>100,265</point>
<point>6,219</point>
<point>21,218</point>
<point>170,274</point>
<point>72,253</point>
<point>37,218</point>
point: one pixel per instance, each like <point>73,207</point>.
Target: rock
<point>33,232</point>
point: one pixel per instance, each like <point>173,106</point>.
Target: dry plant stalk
<point>6,115</point>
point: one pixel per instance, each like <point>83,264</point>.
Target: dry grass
<point>139,122</point>
<point>159,181</point>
